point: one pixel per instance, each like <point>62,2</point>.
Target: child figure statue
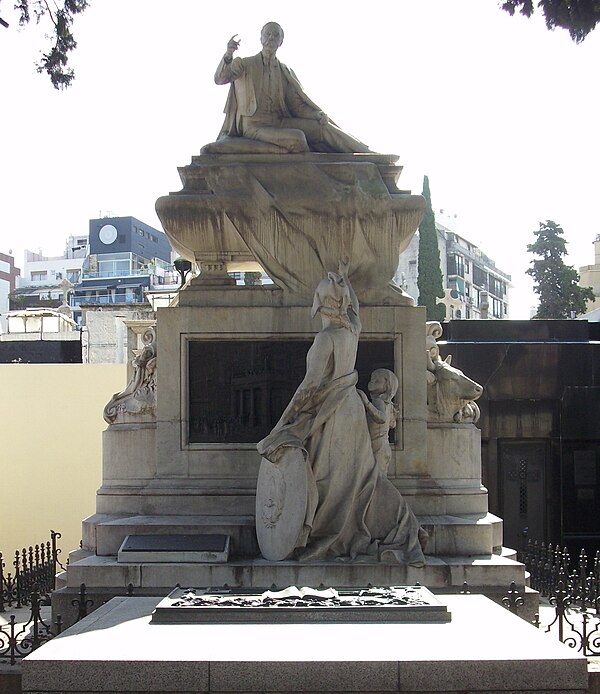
<point>382,414</point>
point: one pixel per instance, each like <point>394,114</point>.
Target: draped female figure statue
<point>320,449</point>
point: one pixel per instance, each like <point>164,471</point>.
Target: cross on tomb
<point>65,286</point>
<point>451,302</point>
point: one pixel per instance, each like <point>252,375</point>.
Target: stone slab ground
<point>483,649</point>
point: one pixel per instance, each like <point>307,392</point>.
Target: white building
<point>589,276</point>
<point>42,275</point>
<point>481,288</point>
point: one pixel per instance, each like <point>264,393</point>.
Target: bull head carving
<point>450,394</point>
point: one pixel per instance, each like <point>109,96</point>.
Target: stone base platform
<point>484,649</point>
<point>464,534</point>
<point>106,577</point>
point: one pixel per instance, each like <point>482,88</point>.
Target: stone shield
<point>281,496</point>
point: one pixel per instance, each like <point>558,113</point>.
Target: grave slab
<point>484,648</point>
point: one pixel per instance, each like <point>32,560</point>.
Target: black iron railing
<point>19,640</point>
<point>550,566</point>
<point>33,566</point>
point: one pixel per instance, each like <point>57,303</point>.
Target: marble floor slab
<point>483,649</point>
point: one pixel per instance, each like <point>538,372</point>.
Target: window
<point>114,265</point>
<point>139,263</point>
<point>73,275</point>
<point>497,286</point>
<point>39,275</point>
<point>456,265</point>
<point>497,308</point>
<point>480,277</point>
<point>458,285</point>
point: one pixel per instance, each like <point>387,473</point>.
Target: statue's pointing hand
<point>232,45</point>
<point>323,118</point>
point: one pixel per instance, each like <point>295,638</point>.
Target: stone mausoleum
<point>292,436</point>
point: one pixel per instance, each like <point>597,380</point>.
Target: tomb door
<point>522,484</point>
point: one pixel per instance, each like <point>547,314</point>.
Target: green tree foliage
<point>578,17</point>
<point>60,19</point>
<point>429,280</point>
<point>555,282</point>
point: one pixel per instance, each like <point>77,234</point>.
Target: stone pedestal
<point>229,358</point>
<point>295,215</point>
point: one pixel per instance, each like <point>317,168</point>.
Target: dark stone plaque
<point>175,543</point>
<point>207,548</point>
<point>238,389</point>
<point>300,605</point>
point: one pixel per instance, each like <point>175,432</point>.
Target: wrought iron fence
<point>576,626</point>
<point>551,566</point>
<point>18,640</point>
<point>33,566</point>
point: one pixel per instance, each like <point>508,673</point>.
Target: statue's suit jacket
<point>245,76</point>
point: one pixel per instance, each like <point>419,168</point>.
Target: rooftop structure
<point>589,276</point>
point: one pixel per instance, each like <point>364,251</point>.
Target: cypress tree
<point>429,280</point>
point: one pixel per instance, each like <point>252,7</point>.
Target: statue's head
<point>271,36</point>
<point>384,382</point>
<point>332,297</point>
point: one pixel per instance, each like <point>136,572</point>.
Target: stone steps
<point>450,535</point>
<point>439,572</point>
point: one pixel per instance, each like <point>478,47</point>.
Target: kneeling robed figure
<point>321,494</point>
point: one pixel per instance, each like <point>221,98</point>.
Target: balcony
<point>105,300</point>
<point>87,275</point>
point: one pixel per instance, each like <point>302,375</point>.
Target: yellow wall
<point>50,449</point>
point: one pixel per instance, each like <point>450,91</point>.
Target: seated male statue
<point>267,104</point>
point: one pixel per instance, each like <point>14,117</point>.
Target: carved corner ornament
<point>450,394</point>
<point>137,403</point>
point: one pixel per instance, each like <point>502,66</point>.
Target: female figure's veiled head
<point>332,299</point>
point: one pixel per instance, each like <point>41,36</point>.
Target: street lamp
<point>183,267</point>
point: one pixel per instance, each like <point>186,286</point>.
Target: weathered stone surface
<point>295,215</point>
<point>352,510</point>
<point>281,495</point>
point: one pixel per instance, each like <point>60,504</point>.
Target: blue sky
<point>499,113</point>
